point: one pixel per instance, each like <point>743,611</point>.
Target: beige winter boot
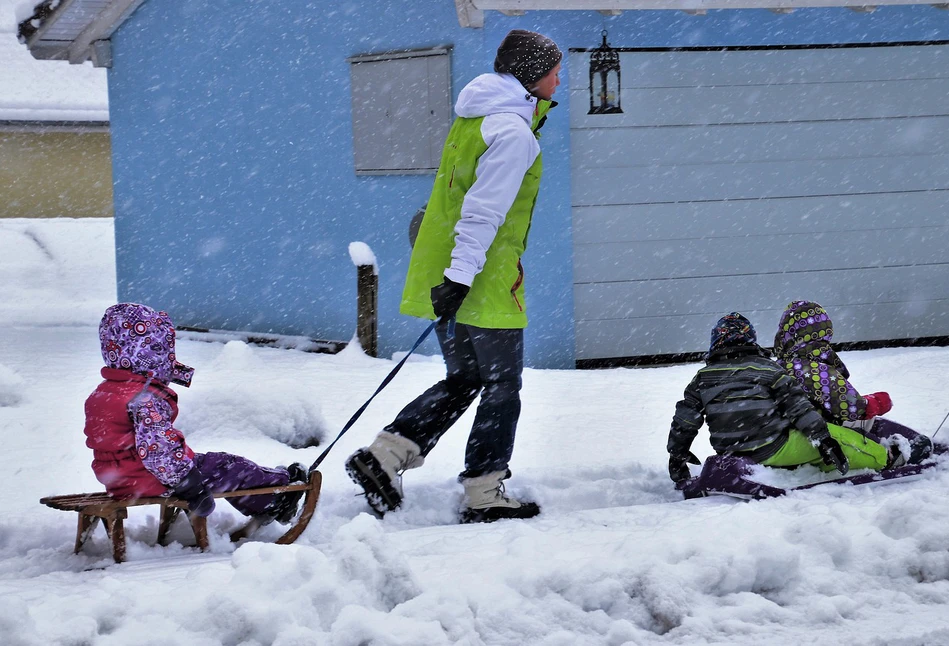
<point>485,501</point>
<point>378,469</point>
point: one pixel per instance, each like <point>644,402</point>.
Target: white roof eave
<point>88,41</point>
<point>471,12</point>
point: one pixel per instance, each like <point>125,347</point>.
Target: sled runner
<point>739,477</point>
<point>93,507</point>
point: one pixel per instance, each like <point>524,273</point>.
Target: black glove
<point>833,455</point>
<point>447,298</point>
<point>679,466</point>
<point>192,490</point>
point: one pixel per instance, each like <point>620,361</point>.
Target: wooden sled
<point>93,507</point>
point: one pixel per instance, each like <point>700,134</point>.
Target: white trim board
<point>471,12</point>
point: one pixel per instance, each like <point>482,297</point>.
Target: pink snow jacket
<point>137,451</point>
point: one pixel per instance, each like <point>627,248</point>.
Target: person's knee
<point>462,388</point>
<point>503,391</point>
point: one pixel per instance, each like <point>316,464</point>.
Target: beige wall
<point>48,174</point>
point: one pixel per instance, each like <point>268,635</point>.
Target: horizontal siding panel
<point>741,180</point>
<point>770,67</point>
<point>670,221</point>
<point>637,147</point>
<point>767,104</point>
<point>677,334</point>
<point>759,180</point>
<point>619,261</point>
<point>635,299</point>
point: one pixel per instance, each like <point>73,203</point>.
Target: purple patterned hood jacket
<point>137,338</point>
<point>802,345</point>
<point>137,451</point>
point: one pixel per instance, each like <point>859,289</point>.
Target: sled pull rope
<point>940,425</point>
<point>385,382</point>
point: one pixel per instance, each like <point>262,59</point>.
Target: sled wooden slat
<point>93,507</point>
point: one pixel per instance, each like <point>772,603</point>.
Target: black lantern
<point>604,80</point>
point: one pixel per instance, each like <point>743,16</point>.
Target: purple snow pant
<point>228,472</point>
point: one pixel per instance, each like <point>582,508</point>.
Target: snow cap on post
<point>527,55</point>
<point>362,256</point>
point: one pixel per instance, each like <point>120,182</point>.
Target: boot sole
<point>380,496</point>
<point>491,514</point>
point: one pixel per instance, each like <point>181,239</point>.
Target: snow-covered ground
<point>616,557</point>
<point>35,90</point>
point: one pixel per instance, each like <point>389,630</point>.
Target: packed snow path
<point>616,557</point>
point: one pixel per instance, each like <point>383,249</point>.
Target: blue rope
<point>385,382</point>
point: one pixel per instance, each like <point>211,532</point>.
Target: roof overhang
<point>75,30</point>
<point>471,12</point>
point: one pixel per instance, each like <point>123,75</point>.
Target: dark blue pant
<point>228,472</point>
<point>477,360</point>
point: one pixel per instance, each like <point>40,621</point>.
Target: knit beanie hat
<point>732,330</point>
<point>527,55</point>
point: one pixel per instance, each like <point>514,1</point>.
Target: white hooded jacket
<point>508,111</point>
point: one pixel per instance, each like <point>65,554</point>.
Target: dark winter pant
<point>228,472</point>
<point>477,360</point>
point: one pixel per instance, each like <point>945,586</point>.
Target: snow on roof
<point>32,90</point>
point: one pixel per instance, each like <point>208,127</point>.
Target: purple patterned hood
<point>802,345</point>
<point>804,324</point>
<point>137,338</point>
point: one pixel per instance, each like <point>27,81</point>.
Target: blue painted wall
<point>235,196</point>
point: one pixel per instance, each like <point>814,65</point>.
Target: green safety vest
<point>496,299</point>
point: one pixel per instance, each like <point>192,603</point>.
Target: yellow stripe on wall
<point>55,174</point>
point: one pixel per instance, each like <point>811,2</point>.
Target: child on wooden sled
<point>757,413</point>
<point>137,451</point>
<point>802,346</point>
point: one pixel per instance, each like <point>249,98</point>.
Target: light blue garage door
<point>743,179</point>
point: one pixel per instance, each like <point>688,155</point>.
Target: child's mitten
<point>833,455</point>
<point>878,404</point>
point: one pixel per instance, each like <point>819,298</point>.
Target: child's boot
<point>485,501</point>
<point>284,505</point>
<point>921,447</point>
<point>912,451</point>
<point>378,469</point>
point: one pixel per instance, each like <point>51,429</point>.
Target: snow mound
<point>12,387</point>
<point>16,625</point>
<point>61,271</point>
<point>231,402</point>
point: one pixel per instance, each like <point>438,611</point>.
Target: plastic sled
<point>739,477</point>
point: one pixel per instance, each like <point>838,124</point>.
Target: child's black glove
<point>833,455</point>
<point>447,298</point>
<point>679,466</point>
<point>192,490</point>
